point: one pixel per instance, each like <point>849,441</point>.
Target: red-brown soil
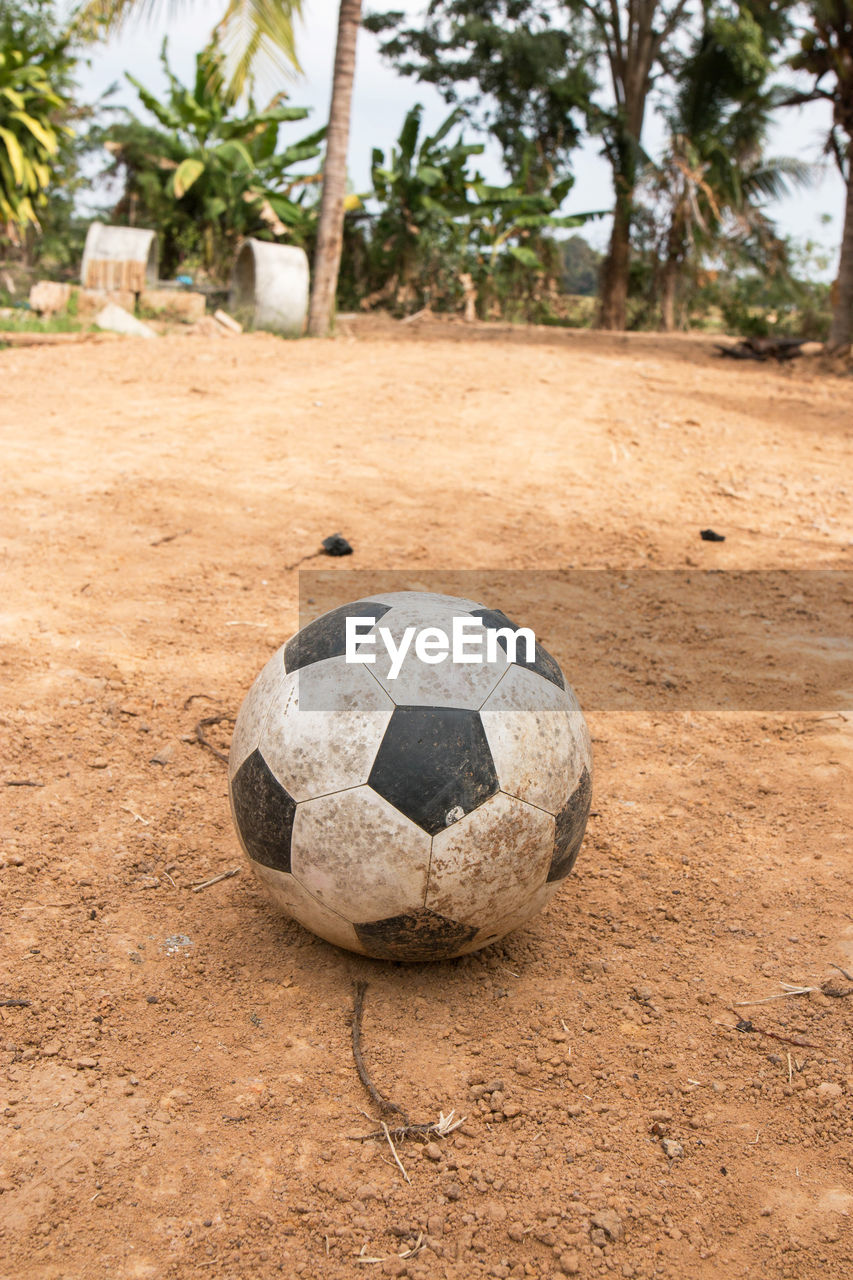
<point>178,1096</point>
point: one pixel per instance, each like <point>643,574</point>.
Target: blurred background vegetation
<point>693,244</point>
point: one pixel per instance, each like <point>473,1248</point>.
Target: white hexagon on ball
<point>416,820</point>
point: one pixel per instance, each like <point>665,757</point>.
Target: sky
<point>381,99</point>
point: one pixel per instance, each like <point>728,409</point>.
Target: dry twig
<point>205,724</point>
<point>191,699</point>
<point>170,537</point>
<point>745,1025</point>
<point>225,875</point>
<point>439,1128</point>
<point>384,1104</point>
<point>394,1151</point>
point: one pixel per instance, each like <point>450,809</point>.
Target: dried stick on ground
<point>205,724</point>
<point>384,1104</point>
<point>439,1128</point>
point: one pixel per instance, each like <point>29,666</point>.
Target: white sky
<point>381,99</point>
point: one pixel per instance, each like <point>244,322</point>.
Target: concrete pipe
<point>269,287</point>
<point>119,258</point>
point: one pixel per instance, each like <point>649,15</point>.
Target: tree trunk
<point>842,311</point>
<point>330,231</point>
<point>613,308</point>
<point>675,247</point>
<point>669,280</point>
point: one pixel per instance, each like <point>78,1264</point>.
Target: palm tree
<point>826,52</point>
<point>327,256</point>
<point>714,178</point>
<point>256,36</point>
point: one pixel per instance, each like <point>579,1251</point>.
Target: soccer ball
<point>401,798</point>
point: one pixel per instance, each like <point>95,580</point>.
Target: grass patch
<point>28,322</point>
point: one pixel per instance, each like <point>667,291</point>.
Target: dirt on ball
<point>642,1095</point>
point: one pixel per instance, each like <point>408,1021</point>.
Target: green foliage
<point>208,174</point>
<point>826,51</point>
<point>439,222</point>
<point>511,66</point>
<point>787,300</point>
<point>709,191</point>
<point>254,37</point>
<point>579,267</point>
<point>32,103</point>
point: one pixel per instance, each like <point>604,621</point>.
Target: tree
<point>826,53</point>
<point>327,257</point>
<point>713,179</point>
<point>255,36</point>
<point>635,39</point>
<point>255,32</point>
<point>514,71</point>
<point>442,232</point>
<point>34,99</point>
<point>209,173</point>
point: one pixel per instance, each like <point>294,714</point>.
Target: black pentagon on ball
<point>419,935</point>
<point>325,637</point>
<point>434,765</point>
<point>542,662</point>
<point>571,824</point>
<point>264,812</point>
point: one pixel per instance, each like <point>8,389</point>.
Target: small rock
<point>116,320</point>
<point>85,1064</point>
<point>829,1091</point>
<point>515,1231</point>
<point>511,1109</point>
<point>227,322</point>
<point>609,1222</point>
<point>432,1151</point>
<point>495,1211</point>
<point>164,755</point>
<point>523,1066</point>
<point>367,1191</point>
<point>51,1050</point>
<point>453,1191</point>
<point>672,1150</point>
<point>570,1263</point>
<point>48,296</point>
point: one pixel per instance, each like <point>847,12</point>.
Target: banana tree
<point>440,221</point>
<point>424,191</point>
<point>211,174</point>
<point>30,135</point>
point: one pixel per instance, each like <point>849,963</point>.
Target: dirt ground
<point>177,1091</point>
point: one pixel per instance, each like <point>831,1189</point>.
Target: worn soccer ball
<point>402,804</point>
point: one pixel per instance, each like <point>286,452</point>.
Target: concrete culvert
<point>269,287</point>
<point>119,258</point>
